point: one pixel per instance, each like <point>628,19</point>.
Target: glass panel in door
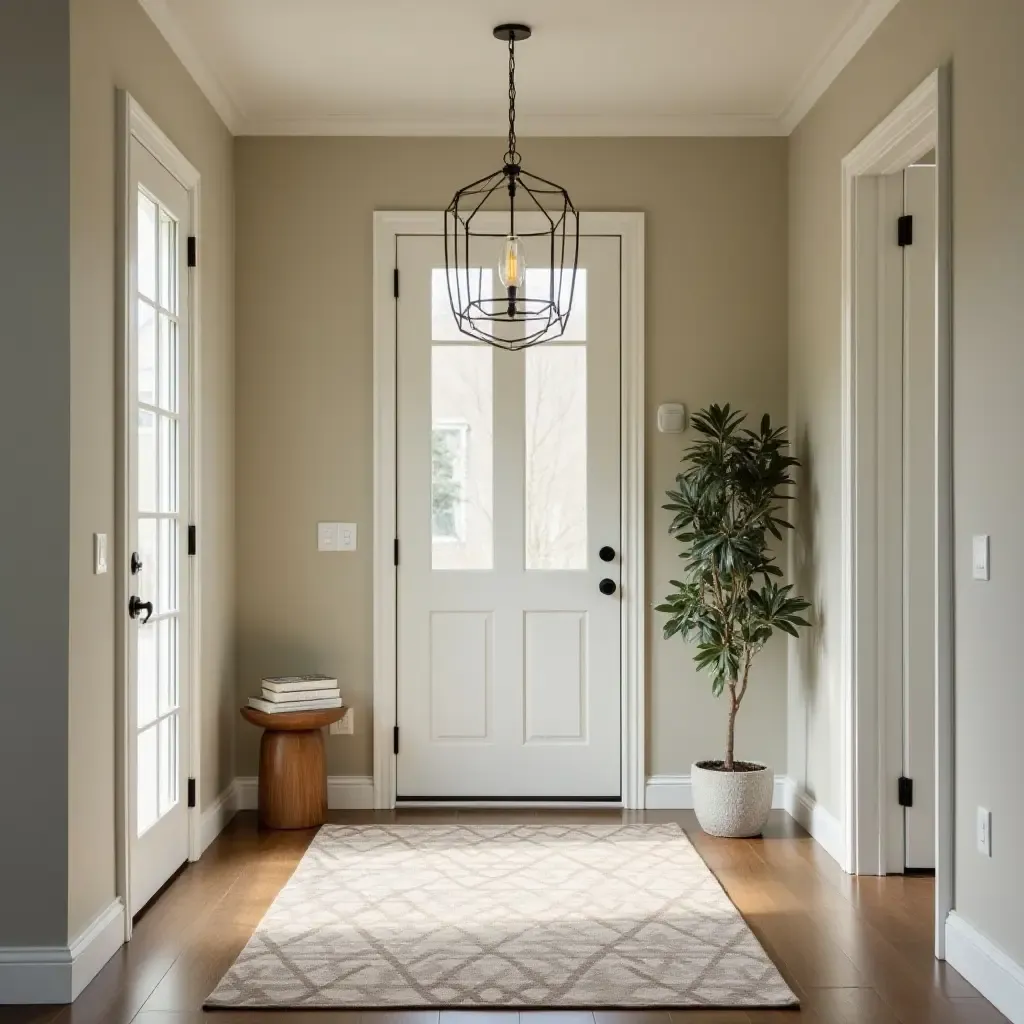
<point>158,525</point>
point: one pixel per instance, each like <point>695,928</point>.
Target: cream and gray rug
<point>519,916</point>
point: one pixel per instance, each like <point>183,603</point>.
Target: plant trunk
<point>731,739</point>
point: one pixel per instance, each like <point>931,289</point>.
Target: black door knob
<point>606,586</point>
<point>136,564</point>
<point>137,607</point>
<point>606,554</point>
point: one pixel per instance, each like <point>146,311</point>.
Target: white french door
<point>508,473</point>
<point>157,495</point>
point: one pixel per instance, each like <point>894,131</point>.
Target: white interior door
<point>919,273</point>
<point>508,489</point>
<point>158,504</point>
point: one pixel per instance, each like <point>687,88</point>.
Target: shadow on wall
<point>807,577</point>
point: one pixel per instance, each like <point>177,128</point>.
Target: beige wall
<point>35,385</point>
<point>115,45</point>
<point>716,315</point>
<point>983,41</point>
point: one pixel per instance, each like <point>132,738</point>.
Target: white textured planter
<point>732,804</point>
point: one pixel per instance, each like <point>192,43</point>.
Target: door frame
<point>134,123</point>
<point>387,227</point>
<point>870,648</point>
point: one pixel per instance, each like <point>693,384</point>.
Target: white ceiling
<point>593,67</point>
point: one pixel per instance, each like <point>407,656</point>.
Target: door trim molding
<point>920,122</point>
<point>629,228</point>
<point>134,122</point>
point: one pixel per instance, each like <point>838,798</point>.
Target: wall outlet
<point>345,725</point>
<point>984,832</point>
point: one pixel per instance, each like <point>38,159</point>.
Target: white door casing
<point>628,229</point>
<point>919,266</point>
<point>158,716</point>
<point>508,485</point>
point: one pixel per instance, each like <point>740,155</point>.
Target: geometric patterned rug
<point>518,916</point>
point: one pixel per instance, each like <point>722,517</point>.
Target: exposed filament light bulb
<point>512,270</point>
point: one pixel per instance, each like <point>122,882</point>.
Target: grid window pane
<point>168,464</point>
<point>146,775</point>
<point>556,457</point>
<point>146,255</point>
<point>168,262</point>
<point>168,669</point>
<point>147,353</point>
<point>539,284</point>
<point>147,580</point>
<point>168,363</point>
<point>146,677</point>
<point>146,467</point>
<point>168,763</point>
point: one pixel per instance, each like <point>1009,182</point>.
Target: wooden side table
<point>293,773</point>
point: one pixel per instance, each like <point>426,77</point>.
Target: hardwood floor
<point>855,950</point>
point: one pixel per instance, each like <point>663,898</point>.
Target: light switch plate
<point>336,536</point>
<point>99,553</point>
<point>984,832</point>
<point>980,557</point>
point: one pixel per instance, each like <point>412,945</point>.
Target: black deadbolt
<point>137,607</point>
<point>606,586</point>
<point>136,565</point>
<point>606,554</point>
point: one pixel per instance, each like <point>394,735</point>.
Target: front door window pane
<point>461,457</point>
<point>556,457</point>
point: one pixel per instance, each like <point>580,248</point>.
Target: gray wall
<point>35,438</point>
<point>983,40</point>
<point>716,331</point>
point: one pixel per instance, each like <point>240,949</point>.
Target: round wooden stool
<point>293,774</point>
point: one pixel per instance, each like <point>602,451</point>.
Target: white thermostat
<point>671,418</point>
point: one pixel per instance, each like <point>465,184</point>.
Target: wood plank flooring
<point>855,950</point>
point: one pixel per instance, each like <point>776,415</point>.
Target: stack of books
<point>297,693</point>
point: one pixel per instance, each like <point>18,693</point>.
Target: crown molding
<point>835,56</point>
<point>537,126</point>
<point>822,73</point>
<point>185,50</point>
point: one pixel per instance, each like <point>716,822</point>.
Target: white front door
<point>157,505</point>
<point>508,497</point>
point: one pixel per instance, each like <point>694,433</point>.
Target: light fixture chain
<point>512,154</point>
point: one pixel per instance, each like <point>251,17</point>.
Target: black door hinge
<point>191,538</point>
<point>396,551</point>
<point>396,739</point>
<point>905,230</point>
<point>191,792</point>
<point>906,791</point>
<point>396,282</point>
<point>191,251</point>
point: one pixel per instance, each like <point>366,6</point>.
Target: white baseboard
<point>675,792</point>
<point>213,820</point>
<point>344,792</point>
<point>57,974</point>
<point>825,828</point>
<point>994,974</point>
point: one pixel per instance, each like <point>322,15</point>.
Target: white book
<point>296,705</point>
<point>289,696</point>
<point>282,684</point>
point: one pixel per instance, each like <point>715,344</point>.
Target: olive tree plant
<point>727,506</point>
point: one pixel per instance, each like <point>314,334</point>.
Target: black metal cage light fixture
<point>542,307</point>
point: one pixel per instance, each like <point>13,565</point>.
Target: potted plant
<point>729,602</point>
